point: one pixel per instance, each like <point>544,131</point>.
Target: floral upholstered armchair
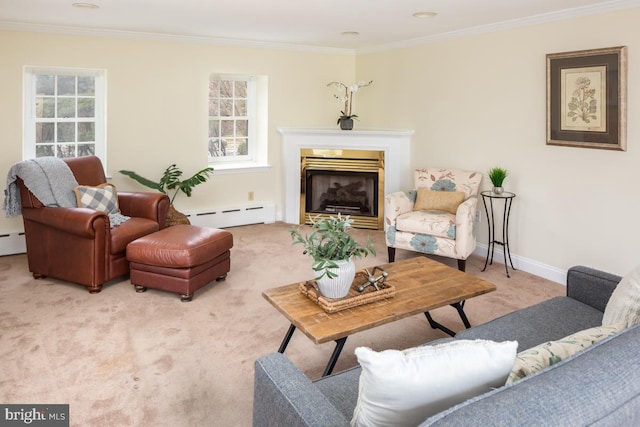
<point>438,217</point>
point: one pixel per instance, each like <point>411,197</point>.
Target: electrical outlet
<point>250,195</point>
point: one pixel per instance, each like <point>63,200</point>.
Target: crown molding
<point>610,6</point>
<point>505,25</point>
<point>135,35</point>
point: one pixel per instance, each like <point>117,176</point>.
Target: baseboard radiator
<point>14,243</point>
<point>232,217</point>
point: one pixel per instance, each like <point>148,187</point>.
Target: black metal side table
<point>507,198</point>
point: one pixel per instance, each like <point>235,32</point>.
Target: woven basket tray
<point>353,298</point>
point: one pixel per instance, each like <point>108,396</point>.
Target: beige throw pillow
<point>445,201</point>
<point>624,303</point>
<point>537,358</point>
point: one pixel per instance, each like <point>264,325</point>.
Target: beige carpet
<point>120,358</point>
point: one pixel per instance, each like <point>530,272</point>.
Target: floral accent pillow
<point>537,358</point>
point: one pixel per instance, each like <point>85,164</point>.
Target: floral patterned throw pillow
<point>537,358</point>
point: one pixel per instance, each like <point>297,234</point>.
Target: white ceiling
<point>306,23</point>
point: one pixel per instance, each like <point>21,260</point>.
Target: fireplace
<point>392,148</point>
<point>349,182</point>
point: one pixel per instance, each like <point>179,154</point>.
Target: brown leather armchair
<point>77,244</point>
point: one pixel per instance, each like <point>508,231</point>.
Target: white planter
<point>338,287</point>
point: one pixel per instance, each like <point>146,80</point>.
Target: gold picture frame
<point>587,98</point>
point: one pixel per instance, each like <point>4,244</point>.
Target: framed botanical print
<point>587,98</point>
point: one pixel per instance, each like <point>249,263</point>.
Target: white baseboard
<point>234,216</point>
<point>525,264</point>
<point>12,243</point>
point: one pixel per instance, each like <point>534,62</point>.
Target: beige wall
<point>157,105</point>
<point>474,102</point>
<point>479,101</point>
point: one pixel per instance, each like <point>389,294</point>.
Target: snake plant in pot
<point>333,249</point>
<point>171,184</point>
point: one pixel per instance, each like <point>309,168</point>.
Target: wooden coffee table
<point>421,285</point>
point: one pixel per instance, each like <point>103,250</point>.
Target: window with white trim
<point>64,112</point>
<point>237,119</point>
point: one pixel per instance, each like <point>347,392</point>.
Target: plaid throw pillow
<point>102,198</point>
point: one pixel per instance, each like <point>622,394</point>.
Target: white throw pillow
<point>624,304</point>
<point>403,388</point>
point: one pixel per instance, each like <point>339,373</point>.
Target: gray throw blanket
<point>48,178</point>
<point>51,181</point>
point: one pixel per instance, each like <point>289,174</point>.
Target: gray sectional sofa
<point>599,386</point>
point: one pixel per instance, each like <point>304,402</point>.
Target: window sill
<point>244,167</point>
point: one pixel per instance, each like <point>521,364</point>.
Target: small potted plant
<point>333,250</point>
<point>170,181</point>
<point>497,176</point>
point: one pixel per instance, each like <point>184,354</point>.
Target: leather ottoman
<point>180,259</point>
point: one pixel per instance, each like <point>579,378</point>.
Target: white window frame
<point>29,104</point>
<point>256,157</point>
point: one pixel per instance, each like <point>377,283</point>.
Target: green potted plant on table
<point>171,182</point>
<point>333,250</point>
<point>497,176</point>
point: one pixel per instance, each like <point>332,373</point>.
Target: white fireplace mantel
<point>396,145</point>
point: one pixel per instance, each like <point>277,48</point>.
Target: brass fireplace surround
<point>343,161</point>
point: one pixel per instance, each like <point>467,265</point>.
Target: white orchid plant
<point>345,94</point>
